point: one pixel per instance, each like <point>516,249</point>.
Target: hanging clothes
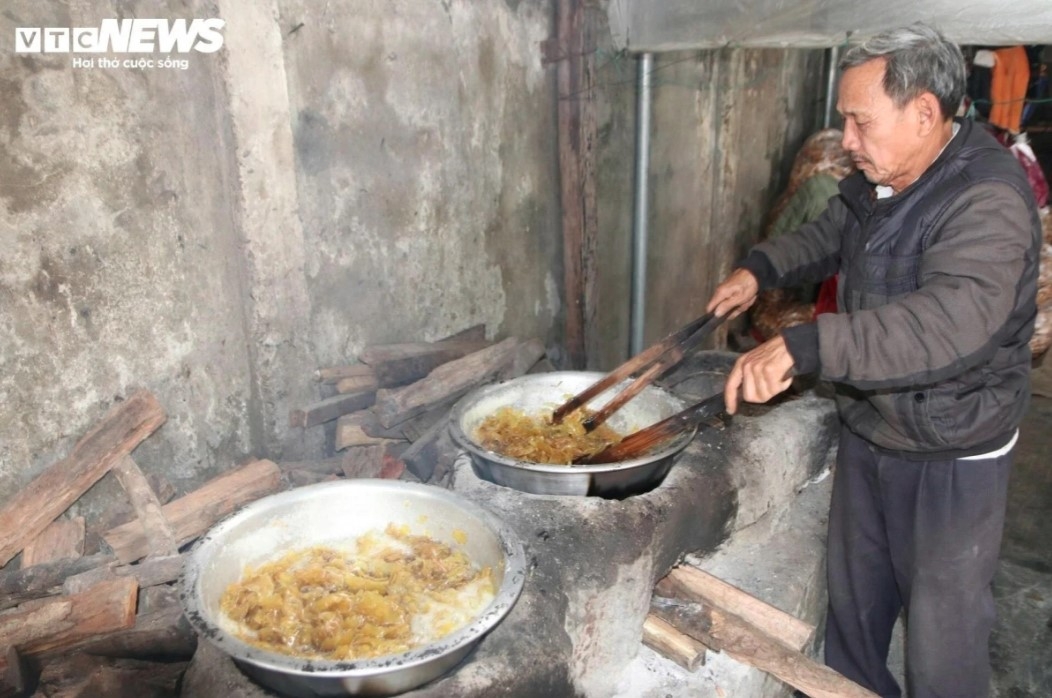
<point>1008,87</point>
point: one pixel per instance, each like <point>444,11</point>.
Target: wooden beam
<point>39,503</point>
<point>723,631</point>
<point>688,582</point>
<point>193,514</point>
<point>574,50</point>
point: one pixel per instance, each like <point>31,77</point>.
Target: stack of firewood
<point>105,623</point>
<point>387,411</point>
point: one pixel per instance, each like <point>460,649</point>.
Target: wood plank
<point>445,382</point>
<point>104,608</point>
<point>334,374</point>
<point>158,532</point>
<point>723,631</point>
<point>330,408</point>
<point>150,572</point>
<point>61,540</point>
<point>193,514</point>
<point>669,642</point>
<point>688,582</point>
<point>39,503</point>
<point>401,364</point>
<point>45,579</point>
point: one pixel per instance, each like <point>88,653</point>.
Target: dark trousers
<point>923,536</point>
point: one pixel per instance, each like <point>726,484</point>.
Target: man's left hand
<point>760,374</point>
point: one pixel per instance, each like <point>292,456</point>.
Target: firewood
<point>331,408</point>
<point>351,430</point>
<point>723,631</point>
<point>45,579</point>
<point>475,333</point>
<point>669,642</point>
<point>149,573</point>
<point>18,675</point>
<point>302,478</point>
<point>400,364</point>
<point>368,461</point>
<point>422,456</point>
<point>35,506</point>
<point>104,608</point>
<point>84,675</point>
<point>193,514</point>
<point>160,633</point>
<point>325,466</point>
<point>688,582</point>
<point>527,354</point>
<point>445,382</point>
<point>159,535</point>
<point>62,539</point>
<point>38,620</point>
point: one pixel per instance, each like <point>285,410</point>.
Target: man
<point>936,243</point>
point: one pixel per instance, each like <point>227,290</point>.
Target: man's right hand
<point>734,295</point>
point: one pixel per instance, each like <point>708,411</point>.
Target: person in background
<point>936,242</point>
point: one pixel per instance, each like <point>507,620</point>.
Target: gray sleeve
<point>809,254</point>
<point>970,278</point>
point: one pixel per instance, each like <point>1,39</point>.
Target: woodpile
<point>104,619</point>
<point>388,411</point>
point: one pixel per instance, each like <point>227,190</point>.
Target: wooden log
<point>422,456</point>
<point>302,478</point>
<point>151,572</point>
<point>366,461</point>
<point>331,408</point>
<point>45,579</point>
<point>475,333</point>
<point>445,382</point>
<point>351,430</point>
<point>527,354</point>
<point>104,608</point>
<point>669,642</point>
<point>325,466</point>
<point>723,631</point>
<point>688,582</point>
<point>35,506</point>
<point>401,364</point>
<point>61,540</point>
<point>18,675</point>
<point>159,535</point>
<point>20,627</point>
<point>160,633</point>
<point>194,513</point>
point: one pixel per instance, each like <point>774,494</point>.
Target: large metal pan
<point>331,514</point>
<point>542,392</point>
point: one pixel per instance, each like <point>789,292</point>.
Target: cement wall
<point>338,174</point>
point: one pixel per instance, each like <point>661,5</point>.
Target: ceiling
<point>667,25</point>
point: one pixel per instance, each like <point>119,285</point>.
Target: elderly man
<point>936,243</point>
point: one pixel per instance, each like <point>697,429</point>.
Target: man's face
<point>881,138</point>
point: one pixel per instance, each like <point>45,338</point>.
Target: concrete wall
<point>339,174</point>
<point>725,127</point>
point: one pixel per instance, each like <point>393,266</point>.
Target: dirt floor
<point>1021,646</point>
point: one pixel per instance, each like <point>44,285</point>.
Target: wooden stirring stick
<point>638,443</point>
<point>629,367</point>
<point>672,356</point>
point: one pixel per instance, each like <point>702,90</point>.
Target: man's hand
<point>734,295</point>
<point>760,374</point>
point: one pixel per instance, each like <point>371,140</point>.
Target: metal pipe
<point>834,58</point>
<point>640,199</point>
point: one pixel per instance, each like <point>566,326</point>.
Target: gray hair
<point>919,59</point>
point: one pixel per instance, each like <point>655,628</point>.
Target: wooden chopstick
<point>672,356</point>
<point>629,367</point>
<point>638,443</point>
